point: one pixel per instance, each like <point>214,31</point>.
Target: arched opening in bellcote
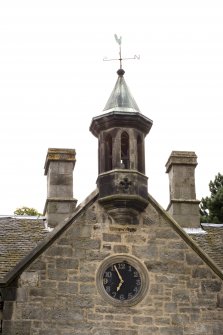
<point>124,164</point>
<point>140,155</point>
<point>116,149</point>
<point>108,153</point>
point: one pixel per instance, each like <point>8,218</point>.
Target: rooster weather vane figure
<point>119,41</point>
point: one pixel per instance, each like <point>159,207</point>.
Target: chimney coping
<point>181,158</point>
<point>59,155</point>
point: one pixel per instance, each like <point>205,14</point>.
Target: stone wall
<point>59,296</point>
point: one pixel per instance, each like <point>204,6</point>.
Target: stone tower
<point>121,133</point>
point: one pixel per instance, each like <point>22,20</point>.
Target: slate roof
<point>22,239</point>
<point>18,236</point>
<point>210,240</point>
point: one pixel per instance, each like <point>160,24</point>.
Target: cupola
<point>121,132</point>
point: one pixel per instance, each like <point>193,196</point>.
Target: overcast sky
<point>53,81</point>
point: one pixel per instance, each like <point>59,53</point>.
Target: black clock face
<point>122,281</point>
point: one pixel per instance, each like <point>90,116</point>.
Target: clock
<point>122,280</point>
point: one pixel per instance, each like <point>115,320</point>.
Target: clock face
<point>122,281</point>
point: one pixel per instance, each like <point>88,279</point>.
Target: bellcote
<point>121,130</point>
<point>121,133</point>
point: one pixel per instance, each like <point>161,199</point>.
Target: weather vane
<point>119,41</point>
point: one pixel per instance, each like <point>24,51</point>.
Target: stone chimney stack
<point>183,205</point>
<point>59,167</point>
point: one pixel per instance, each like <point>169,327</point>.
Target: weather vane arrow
<point>119,41</point>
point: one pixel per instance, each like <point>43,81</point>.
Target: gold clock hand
<point>120,277</point>
<point>119,286</point>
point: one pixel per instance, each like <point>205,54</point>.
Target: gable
<point>154,215</point>
<point>61,286</point>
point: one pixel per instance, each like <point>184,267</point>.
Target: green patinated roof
<point>18,236</point>
<point>121,99</point>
